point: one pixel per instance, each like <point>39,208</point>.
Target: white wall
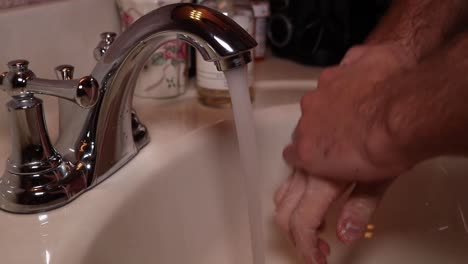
<point>54,33</point>
<point>62,32</point>
<point>15,3</point>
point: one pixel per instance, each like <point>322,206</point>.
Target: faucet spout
<point>104,133</point>
<point>218,38</point>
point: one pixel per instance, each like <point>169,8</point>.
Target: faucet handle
<point>107,38</point>
<point>17,77</point>
<point>20,81</point>
<point>64,72</point>
<point>84,92</point>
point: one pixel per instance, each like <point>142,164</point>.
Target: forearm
<point>420,26</point>
<point>427,107</point>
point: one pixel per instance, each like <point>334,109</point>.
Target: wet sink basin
<point>190,207</point>
<point>182,201</point>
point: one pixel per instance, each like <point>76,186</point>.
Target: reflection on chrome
<point>194,14</point>
<point>369,233</point>
<point>99,132</point>
<point>224,44</point>
<point>42,217</point>
<point>47,255</point>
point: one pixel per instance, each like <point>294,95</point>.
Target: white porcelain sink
<point>182,202</point>
<point>192,208</point>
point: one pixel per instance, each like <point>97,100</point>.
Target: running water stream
<point>245,127</point>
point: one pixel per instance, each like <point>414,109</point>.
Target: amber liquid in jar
<point>211,84</point>
<point>219,98</point>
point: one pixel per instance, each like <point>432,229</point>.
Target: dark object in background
<point>192,66</point>
<point>319,32</point>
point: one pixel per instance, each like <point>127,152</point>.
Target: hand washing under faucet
<point>99,138</point>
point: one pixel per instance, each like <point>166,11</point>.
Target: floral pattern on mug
<point>174,52</point>
<point>164,75</point>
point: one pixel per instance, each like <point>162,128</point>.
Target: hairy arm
<point>420,26</point>
<point>427,107</point>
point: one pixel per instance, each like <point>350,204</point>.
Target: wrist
<point>393,55</point>
<point>425,107</point>
<point>402,53</point>
<point>384,147</point>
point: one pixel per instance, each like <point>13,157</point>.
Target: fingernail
<point>324,247</point>
<point>350,231</point>
<point>319,258</point>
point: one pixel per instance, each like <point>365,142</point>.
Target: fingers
<point>290,194</point>
<point>328,74</point>
<point>283,189</point>
<point>308,216</point>
<point>302,202</point>
<point>324,247</point>
<point>358,210</point>
<point>290,156</point>
<point>301,151</point>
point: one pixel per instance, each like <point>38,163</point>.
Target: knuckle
<point>299,130</point>
<point>304,152</point>
<point>304,103</point>
<point>302,142</point>
<point>307,101</point>
<point>281,222</point>
<point>278,197</point>
<point>327,75</point>
<point>356,50</point>
<point>302,220</point>
<point>324,77</point>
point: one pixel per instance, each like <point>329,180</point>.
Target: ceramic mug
<point>165,74</point>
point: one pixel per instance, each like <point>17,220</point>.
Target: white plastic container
<point>261,12</point>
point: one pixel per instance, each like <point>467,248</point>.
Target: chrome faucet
<point>98,131</point>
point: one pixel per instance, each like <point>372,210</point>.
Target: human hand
<point>341,139</point>
<point>342,133</point>
<point>303,201</point>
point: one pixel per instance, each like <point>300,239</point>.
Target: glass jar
<point>211,84</point>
